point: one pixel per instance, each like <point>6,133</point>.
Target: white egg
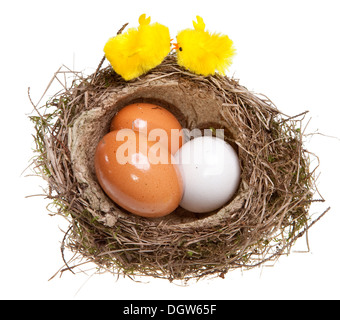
<point>210,171</point>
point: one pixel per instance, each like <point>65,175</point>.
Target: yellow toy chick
<point>203,53</point>
<point>137,51</point>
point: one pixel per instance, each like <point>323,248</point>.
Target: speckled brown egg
<point>147,117</point>
<point>139,175</point>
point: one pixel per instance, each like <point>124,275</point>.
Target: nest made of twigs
<point>268,213</point>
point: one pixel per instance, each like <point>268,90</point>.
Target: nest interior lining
<point>191,105</point>
<point>268,213</point>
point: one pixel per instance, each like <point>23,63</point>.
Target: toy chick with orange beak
<point>202,52</point>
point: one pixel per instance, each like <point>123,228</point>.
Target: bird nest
<point>269,212</point>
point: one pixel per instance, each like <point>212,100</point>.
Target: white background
<point>288,50</point>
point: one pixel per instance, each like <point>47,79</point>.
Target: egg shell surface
<point>147,118</point>
<point>126,168</point>
<point>211,173</point>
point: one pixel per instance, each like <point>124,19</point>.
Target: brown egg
<point>149,118</point>
<point>138,174</point>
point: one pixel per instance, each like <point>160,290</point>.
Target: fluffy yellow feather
<point>137,51</point>
<point>202,52</point>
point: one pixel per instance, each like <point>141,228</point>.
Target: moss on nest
<point>262,222</point>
